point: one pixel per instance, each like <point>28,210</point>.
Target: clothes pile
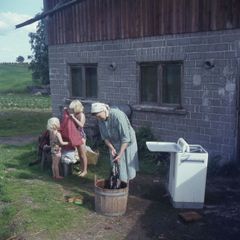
<point>114,179</point>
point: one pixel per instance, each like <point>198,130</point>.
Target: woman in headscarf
<point>119,136</point>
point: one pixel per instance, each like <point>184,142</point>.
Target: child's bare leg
<point>53,166</point>
<point>83,156</point>
<point>56,161</point>
<point>57,168</point>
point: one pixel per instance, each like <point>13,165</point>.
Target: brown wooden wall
<point>94,20</point>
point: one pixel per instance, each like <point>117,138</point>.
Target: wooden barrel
<point>110,202</point>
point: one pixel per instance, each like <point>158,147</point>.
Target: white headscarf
<point>99,107</point>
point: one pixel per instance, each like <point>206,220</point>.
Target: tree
<point>39,59</point>
<point>20,59</point>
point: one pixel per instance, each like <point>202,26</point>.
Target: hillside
<point>14,78</point>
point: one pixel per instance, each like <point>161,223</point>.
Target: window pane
<point>149,84</point>
<point>171,85</point>
<point>77,82</point>
<point>91,81</point>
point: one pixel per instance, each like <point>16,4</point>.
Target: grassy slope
<point>21,113</point>
<point>14,78</point>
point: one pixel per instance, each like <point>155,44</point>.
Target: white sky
<point>15,42</point>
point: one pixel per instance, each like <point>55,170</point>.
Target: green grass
<point>14,78</point>
<point>17,123</point>
<point>23,114</point>
<point>31,202</point>
<point>24,102</point>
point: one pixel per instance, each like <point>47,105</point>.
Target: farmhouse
<point>174,62</point>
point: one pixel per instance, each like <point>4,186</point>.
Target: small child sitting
<point>56,141</point>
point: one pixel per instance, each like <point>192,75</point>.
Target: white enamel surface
<point>163,147</point>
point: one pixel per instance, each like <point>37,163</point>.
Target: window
<point>160,83</point>
<point>84,81</point>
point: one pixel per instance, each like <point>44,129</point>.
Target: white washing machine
<point>187,173</point>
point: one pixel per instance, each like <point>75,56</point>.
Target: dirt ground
<point>150,215</point>
<point>18,140</point>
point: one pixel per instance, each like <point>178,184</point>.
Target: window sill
<point>86,101</point>
<point>159,109</point>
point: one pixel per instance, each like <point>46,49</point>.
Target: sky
<point>15,42</point>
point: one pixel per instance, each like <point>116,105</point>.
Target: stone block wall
<point>209,114</point>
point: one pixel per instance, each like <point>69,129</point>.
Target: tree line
<point>39,59</point>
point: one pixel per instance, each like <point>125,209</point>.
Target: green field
<point>21,113</point>
<point>14,78</point>
<point>24,101</point>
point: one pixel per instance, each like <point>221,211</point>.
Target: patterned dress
<point>80,129</point>
<point>118,130</point>
<point>55,145</point>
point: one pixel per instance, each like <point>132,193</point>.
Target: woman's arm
<point>121,152</point>
<point>117,156</point>
<point>59,136</point>
<point>111,147</point>
<point>80,122</point>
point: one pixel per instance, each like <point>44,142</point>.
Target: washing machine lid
<point>163,147</point>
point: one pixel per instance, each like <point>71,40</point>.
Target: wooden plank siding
<point>96,20</point>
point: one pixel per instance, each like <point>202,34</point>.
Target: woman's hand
<point>113,151</point>
<point>117,158</point>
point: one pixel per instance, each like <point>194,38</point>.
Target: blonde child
<point>76,112</point>
<point>56,141</point>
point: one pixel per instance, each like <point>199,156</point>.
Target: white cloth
<point>68,157</point>
<point>99,107</point>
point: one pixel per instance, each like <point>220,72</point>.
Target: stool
<point>67,169</point>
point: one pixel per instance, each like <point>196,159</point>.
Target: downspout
<point>237,154</point>
<point>45,21</point>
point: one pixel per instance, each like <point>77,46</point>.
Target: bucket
<point>110,202</point>
<point>66,169</point>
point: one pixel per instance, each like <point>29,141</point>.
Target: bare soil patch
<point>18,140</point>
<point>150,215</point>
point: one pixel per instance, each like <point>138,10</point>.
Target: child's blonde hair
<point>76,106</point>
<point>53,123</point>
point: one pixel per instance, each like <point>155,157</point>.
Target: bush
<point>150,162</point>
<point>143,135</point>
<point>230,169</point>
